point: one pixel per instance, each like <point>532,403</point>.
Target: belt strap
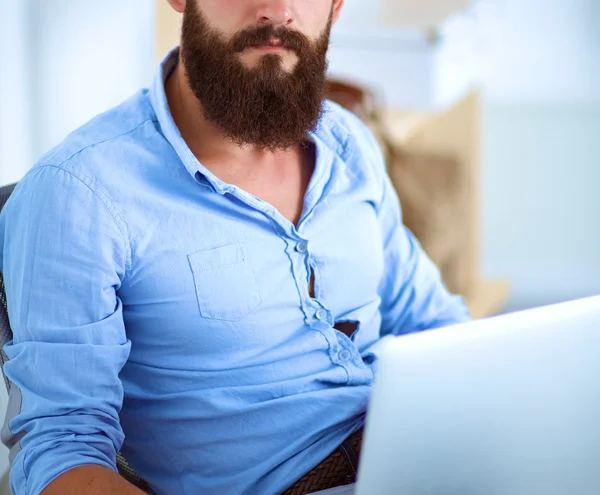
<point>339,468</point>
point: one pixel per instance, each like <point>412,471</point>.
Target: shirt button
<point>302,247</point>
<point>345,355</point>
<point>321,314</point>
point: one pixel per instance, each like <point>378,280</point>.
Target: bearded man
<point>200,277</point>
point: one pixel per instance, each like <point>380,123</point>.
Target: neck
<point>208,143</point>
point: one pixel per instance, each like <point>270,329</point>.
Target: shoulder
<point>336,116</point>
<point>349,134</point>
<point>90,169</point>
<point>353,141</point>
<point>95,147</point>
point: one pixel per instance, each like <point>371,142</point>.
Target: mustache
<point>262,35</point>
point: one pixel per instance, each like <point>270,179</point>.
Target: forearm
<point>91,480</point>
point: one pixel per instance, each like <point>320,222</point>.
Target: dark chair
<point>6,336</point>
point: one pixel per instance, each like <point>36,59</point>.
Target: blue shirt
<point>160,311</point>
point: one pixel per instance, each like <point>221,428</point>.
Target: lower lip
<point>270,49</point>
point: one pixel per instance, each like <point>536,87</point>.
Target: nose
<point>276,12</point>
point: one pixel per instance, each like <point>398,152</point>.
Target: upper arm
<point>412,292</point>
<point>413,296</point>
<point>64,256</point>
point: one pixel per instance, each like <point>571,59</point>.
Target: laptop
<point>504,406</point>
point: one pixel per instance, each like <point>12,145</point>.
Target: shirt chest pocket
<point>225,283</point>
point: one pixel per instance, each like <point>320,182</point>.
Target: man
<point>198,278</point>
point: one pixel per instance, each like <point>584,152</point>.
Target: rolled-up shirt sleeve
<point>64,256</point>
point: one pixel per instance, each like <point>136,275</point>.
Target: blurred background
<point>518,80</point>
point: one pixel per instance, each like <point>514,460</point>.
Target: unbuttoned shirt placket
<point>317,316</point>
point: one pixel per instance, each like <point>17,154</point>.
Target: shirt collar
<point>171,132</point>
<point>158,98</point>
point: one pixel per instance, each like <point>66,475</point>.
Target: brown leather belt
<point>339,468</point>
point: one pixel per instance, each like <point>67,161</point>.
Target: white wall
<point>15,92</point>
<point>541,150</point>
<point>89,56</point>
<point>544,51</point>
<point>541,203</point>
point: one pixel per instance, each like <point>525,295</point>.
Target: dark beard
<point>265,106</point>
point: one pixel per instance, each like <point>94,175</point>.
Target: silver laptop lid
<point>505,406</point>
